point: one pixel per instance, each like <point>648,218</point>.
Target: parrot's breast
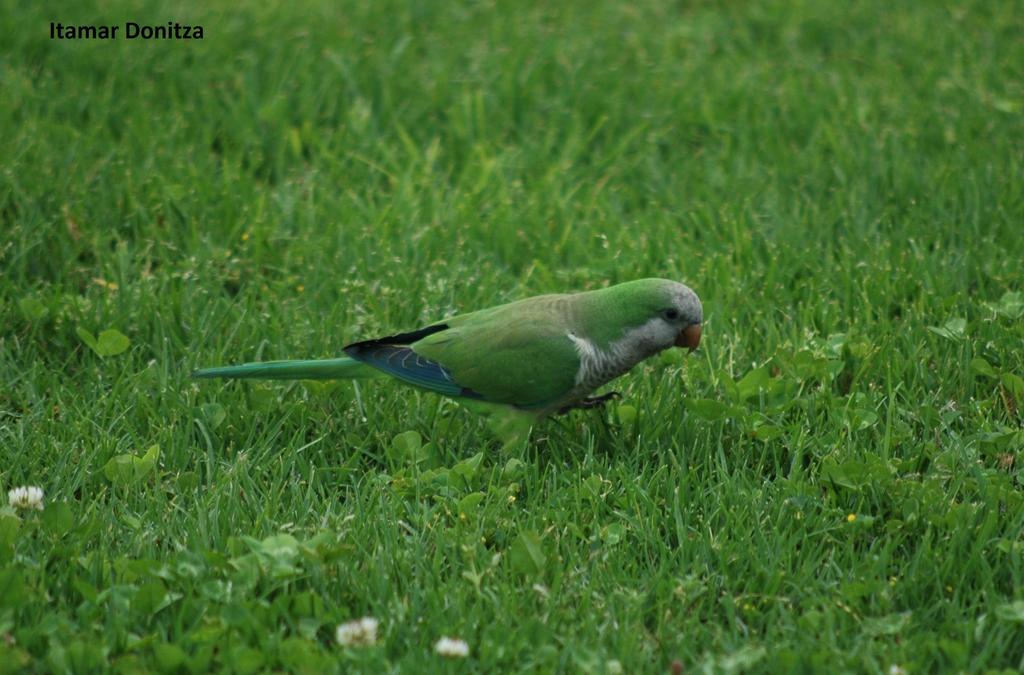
<point>599,366</point>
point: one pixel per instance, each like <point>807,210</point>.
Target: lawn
<point>832,483</point>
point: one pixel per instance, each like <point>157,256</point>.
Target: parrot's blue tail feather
<point>325,369</point>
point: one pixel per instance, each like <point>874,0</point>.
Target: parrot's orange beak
<point>689,337</point>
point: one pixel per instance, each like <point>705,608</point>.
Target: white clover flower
<point>26,497</point>
<point>358,633</point>
<point>896,669</point>
<point>453,648</point>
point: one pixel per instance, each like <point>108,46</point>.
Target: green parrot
<point>533,357</point>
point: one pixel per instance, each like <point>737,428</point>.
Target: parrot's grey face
<point>683,316</point>
<point>675,320</point>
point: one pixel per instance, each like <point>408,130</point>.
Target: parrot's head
<point>682,314</point>
<point>659,314</point>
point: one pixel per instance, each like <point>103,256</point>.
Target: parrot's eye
<point>670,314</point>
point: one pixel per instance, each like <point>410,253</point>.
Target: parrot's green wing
<point>517,354</point>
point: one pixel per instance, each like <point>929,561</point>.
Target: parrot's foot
<point>590,402</point>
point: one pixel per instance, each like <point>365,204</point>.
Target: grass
<point>831,483</point>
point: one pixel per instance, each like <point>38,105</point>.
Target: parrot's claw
<point>590,402</point>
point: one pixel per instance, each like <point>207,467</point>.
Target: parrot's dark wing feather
<point>393,356</point>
